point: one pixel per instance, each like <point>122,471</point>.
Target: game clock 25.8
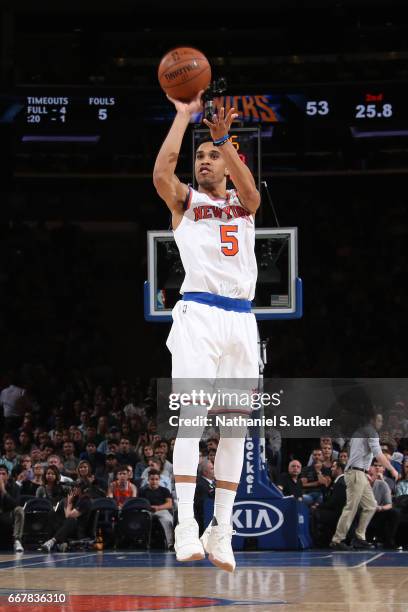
<point>373,111</point>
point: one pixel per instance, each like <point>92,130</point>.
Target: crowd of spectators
<point>320,485</point>
<point>103,442</point>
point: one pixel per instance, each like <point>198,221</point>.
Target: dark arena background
<point>82,118</point>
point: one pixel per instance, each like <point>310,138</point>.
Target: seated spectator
<point>11,514</point>
<point>133,409</point>
<point>315,479</point>
<point>273,452</point>
<point>36,456</point>
<point>42,439</point>
<point>102,429</point>
<point>106,474</point>
<point>130,472</point>
<point>212,443</point>
<point>25,443</point>
<point>47,450</point>
<point>91,454</point>
<point>10,458</point>
<point>57,441</point>
<point>157,464</point>
<point>70,460</point>
<point>88,481</point>
<point>139,439</point>
<point>51,487</point>
<point>343,456</point>
<point>205,489</point>
<point>58,425</point>
<point>77,511</point>
<point>323,442</point>
<point>126,454</point>
<point>290,483</point>
<point>26,478</point>
<point>38,471</point>
<point>160,451</point>
<point>91,436</point>
<point>66,436</point>
<point>27,465</point>
<point>402,485</point>
<point>121,489</point>
<point>388,451</point>
<point>325,516</point>
<point>143,464</point>
<point>172,441</point>
<point>165,446</point>
<point>161,503</point>
<point>57,461</point>
<point>211,454</point>
<point>78,440</point>
<point>84,421</point>
<point>113,435</point>
<point>384,524</point>
<point>328,455</point>
<point>391,482</point>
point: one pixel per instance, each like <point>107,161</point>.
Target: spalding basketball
<point>183,72</point>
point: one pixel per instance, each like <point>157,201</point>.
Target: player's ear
<point>226,172</point>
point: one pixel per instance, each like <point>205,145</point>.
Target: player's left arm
<point>239,172</point>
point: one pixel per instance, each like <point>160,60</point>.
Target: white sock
<point>185,499</point>
<point>224,501</point>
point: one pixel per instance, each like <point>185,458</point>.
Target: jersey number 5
<point>229,239</point>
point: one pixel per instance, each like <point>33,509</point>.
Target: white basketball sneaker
<point>187,543</point>
<point>216,541</point>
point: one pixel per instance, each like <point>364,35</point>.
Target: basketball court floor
<point>129,581</point>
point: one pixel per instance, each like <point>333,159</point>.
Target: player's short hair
<point>153,472</point>
<point>203,140</point>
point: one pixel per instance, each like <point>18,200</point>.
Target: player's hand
<point>394,474</point>
<point>195,106</point>
<point>221,123</point>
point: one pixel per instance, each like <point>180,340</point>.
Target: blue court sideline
<point>321,558</point>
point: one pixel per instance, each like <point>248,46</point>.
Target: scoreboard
<point>63,110</point>
<point>44,109</point>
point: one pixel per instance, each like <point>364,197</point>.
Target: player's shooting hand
<point>221,123</point>
<point>195,106</point>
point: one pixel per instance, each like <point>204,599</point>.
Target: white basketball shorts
<point>210,342</point>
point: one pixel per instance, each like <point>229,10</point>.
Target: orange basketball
<point>183,72</point>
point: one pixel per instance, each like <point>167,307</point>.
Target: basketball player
<point>214,333</point>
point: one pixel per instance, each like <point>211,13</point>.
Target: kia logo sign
<point>255,518</point>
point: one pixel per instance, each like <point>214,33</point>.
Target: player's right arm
<point>167,185</point>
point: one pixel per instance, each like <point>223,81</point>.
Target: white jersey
<point>216,241</point>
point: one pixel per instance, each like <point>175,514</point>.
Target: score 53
<point>317,107</point>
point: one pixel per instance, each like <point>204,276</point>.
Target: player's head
<point>209,165</point>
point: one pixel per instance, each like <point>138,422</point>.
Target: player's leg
<point>194,360</point>
<point>238,372</point>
